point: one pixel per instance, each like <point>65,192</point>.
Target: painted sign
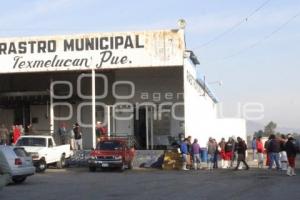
<point>88,51</point>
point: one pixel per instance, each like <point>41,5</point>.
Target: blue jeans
<point>254,154</point>
<point>274,157</point>
<point>210,158</point>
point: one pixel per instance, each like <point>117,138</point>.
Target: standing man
<point>241,148</point>
<point>77,136</point>
<point>184,153</point>
<point>234,152</point>
<point>282,153</point>
<point>291,150</point>
<point>101,131</point>
<point>216,156</point>
<point>196,154</point>
<point>274,149</point>
<point>211,151</point>
<point>254,149</point>
<point>62,133</point>
<point>260,152</point>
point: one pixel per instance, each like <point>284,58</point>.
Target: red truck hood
<point>106,153</point>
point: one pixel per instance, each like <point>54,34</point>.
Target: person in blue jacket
<point>184,152</point>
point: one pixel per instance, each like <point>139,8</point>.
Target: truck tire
<point>130,164</point>
<point>92,169</point>
<point>42,166</point>
<point>61,163</point>
<point>122,168</point>
<point>18,180</point>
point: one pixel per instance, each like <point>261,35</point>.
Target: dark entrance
<point>140,128</point>
<point>22,115</point>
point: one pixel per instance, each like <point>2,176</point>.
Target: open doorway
<point>22,115</point>
<point>140,129</point>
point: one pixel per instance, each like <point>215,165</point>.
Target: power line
<point>266,37</point>
<point>235,26</point>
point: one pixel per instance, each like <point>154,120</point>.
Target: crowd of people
<point>74,136</point>
<point>280,151</point>
<point>10,136</point>
<point>63,135</point>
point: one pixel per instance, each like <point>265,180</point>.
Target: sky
<point>251,46</point>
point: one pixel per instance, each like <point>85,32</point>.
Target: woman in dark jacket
<point>291,151</point>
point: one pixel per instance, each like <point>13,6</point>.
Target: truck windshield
<point>36,142</point>
<point>109,145</point>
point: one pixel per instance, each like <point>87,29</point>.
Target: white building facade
<point>142,84</point>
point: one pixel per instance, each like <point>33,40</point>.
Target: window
<point>20,152</point>
<point>50,143</point>
<point>109,145</point>
<point>36,142</point>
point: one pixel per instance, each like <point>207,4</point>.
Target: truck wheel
<point>19,180</point>
<point>42,165</point>
<point>130,164</point>
<point>122,168</point>
<point>92,169</point>
<point>61,163</point>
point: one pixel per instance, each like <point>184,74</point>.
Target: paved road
<point>73,184</point>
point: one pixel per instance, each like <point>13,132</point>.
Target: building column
<point>108,120</point>
<point>94,108</point>
<point>51,109</point>
<point>151,127</point>
<point>147,128</point>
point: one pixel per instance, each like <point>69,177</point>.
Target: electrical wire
<point>235,26</point>
<point>266,37</point>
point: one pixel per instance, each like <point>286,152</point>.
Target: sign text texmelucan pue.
<point>103,44</point>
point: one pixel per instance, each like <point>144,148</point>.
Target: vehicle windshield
<point>109,145</point>
<point>36,142</point>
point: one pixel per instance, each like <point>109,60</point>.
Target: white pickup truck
<point>44,151</point>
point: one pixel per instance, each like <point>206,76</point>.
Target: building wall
<point>150,85</point>
<point>154,85</point>
<point>41,113</point>
<point>200,111</point>
<point>201,119</point>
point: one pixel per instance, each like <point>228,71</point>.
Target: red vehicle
<point>112,153</point>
